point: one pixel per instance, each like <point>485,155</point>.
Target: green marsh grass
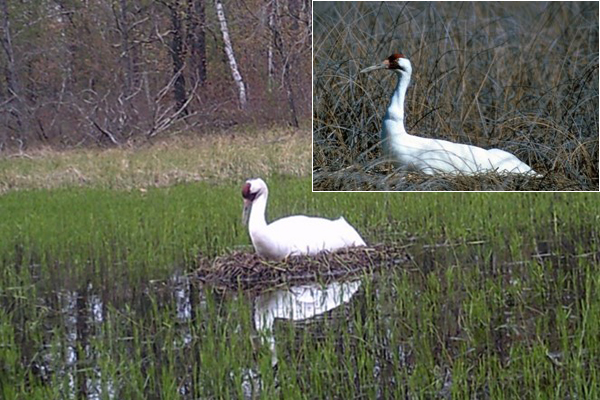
<point>499,300</point>
<point>117,233</point>
<point>522,77</point>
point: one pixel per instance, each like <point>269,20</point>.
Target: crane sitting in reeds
<point>434,156</point>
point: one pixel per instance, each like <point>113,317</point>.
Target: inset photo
<point>441,96</point>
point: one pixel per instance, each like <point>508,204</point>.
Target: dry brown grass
<point>232,155</point>
<point>522,77</point>
<point>386,178</point>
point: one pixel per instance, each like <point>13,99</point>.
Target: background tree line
<point>77,72</point>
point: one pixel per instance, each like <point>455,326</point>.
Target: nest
<point>385,178</point>
<point>248,271</point>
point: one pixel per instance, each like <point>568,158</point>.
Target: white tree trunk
<point>237,77</point>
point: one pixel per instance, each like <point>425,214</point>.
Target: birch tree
<point>237,77</point>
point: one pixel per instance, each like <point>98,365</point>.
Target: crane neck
<point>395,109</point>
<point>257,218</point>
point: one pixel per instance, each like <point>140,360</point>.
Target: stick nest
<point>248,271</point>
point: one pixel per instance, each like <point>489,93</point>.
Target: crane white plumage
<point>434,156</point>
<point>295,235</point>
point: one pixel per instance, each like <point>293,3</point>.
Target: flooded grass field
<point>100,297</point>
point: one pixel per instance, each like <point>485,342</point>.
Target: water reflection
<point>71,357</point>
<point>298,303</point>
<point>82,315</point>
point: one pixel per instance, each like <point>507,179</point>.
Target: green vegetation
<point>98,296</point>
<point>500,298</point>
<point>521,77</point>
<point>126,232</point>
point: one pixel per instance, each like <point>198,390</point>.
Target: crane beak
<point>246,211</point>
<point>374,67</point>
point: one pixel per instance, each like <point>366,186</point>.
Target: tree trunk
<point>177,57</point>
<point>10,73</point>
<point>123,26</point>
<point>290,95</point>
<point>279,45</point>
<point>15,102</point>
<point>197,38</point>
<point>272,10</point>
<point>237,77</point>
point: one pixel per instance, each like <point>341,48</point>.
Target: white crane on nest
<point>293,235</point>
<point>434,156</point>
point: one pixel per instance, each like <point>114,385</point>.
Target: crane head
<point>252,189</point>
<point>394,62</point>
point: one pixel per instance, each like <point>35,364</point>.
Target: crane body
<point>294,235</point>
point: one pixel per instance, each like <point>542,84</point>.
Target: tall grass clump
<point>521,77</point>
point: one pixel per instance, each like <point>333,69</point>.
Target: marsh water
<point>404,329</point>
<point>82,316</point>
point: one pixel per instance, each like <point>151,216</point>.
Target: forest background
<point>100,72</point>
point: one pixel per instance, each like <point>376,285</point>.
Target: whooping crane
<point>293,235</point>
<point>434,156</point>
